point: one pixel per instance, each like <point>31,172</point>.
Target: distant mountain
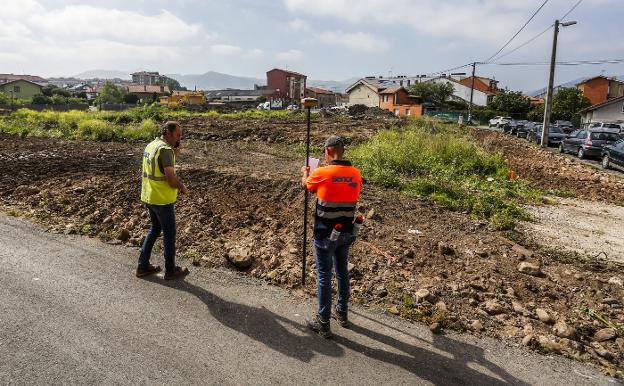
<point>333,85</point>
<point>104,74</point>
<point>569,84</point>
<point>212,80</point>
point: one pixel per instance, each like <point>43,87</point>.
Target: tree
<point>58,99</point>
<point>537,113</point>
<point>130,98</point>
<point>174,84</point>
<point>4,99</point>
<point>110,93</point>
<point>436,93</point>
<point>41,100</point>
<point>567,105</point>
<point>512,103</point>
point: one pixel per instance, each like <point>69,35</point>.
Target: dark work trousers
<point>163,221</point>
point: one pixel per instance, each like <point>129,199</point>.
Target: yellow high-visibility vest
<point>155,189</point>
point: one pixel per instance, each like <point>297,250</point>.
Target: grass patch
<point>13,213</point>
<point>438,162</point>
<point>133,125</point>
<point>137,124</point>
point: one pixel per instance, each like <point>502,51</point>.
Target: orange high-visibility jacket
<point>337,187</point>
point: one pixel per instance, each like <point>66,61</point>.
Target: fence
<point>53,107</point>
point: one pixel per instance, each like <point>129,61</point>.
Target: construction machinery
<point>184,99</point>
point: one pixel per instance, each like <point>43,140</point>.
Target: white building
<point>609,111</point>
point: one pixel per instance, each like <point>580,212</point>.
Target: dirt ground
<point>413,258</point>
<point>588,227</point>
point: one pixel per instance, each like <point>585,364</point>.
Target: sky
<point>324,39</point>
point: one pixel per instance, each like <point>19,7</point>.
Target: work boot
<point>321,327</point>
<point>149,270</point>
<point>178,272</point>
<point>341,318</point>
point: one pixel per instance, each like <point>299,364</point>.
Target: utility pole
<point>474,64</point>
<point>306,103</point>
<point>551,80</point>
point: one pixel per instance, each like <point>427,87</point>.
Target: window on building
<point>386,98</point>
<point>408,83</point>
<point>408,112</point>
<point>622,107</point>
<point>17,89</point>
<point>396,112</point>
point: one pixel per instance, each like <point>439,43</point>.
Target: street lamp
<point>551,79</point>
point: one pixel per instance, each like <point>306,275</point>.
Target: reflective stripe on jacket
<point>155,189</point>
<point>337,187</point>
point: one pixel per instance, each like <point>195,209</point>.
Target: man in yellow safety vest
<point>159,192</point>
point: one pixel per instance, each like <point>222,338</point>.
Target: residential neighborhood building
<point>289,86</point>
<point>388,95</point>
<point>462,92</point>
<point>147,93</point>
<point>600,89</point>
<point>485,88</point>
<point>366,91</point>
<point>609,111</point>
<point>235,95</point>
<point>325,98</point>
<point>400,102</point>
<point>483,84</point>
<point>5,78</point>
<point>20,89</point>
<point>148,78</point>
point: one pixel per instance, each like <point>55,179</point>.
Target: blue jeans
<point>163,221</point>
<point>332,253</point>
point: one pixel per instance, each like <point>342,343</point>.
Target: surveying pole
<point>551,80</point>
<point>474,64</point>
<point>307,103</point>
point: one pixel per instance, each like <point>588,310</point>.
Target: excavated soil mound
<point>413,258</point>
<point>553,171</point>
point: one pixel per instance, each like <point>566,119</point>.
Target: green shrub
<point>435,161</point>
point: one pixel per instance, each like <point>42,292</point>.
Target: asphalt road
<point>72,312</point>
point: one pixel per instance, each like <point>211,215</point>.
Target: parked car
<point>555,135</point>
<point>516,125</point>
<point>566,126</point>
<point>604,125</point>
<point>588,142</point>
<point>613,155</point>
<point>505,123</point>
<point>527,127</point>
<point>494,122</point>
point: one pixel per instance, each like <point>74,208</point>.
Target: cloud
<point>485,21</point>
<point>88,22</point>
<point>358,41</point>
<point>225,50</point>
<point>297,25</point>
<point>253,53</point>
<point>290,55</point>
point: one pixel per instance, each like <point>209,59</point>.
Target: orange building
<point>400,102</point>
<point>600,89</point>
<point>486,85</point>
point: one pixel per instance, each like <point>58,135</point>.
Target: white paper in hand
<point>313,163</point>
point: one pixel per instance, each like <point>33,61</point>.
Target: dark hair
<point>169,127</point>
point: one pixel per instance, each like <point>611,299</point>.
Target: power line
<point>572,9</point>
<point>539,34</point>
<point>525,43</point>
<point>520,30</point>
<point>566,63</point>
<point>449,69</point>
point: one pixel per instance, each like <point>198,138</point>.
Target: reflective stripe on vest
<point>154,186</point>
